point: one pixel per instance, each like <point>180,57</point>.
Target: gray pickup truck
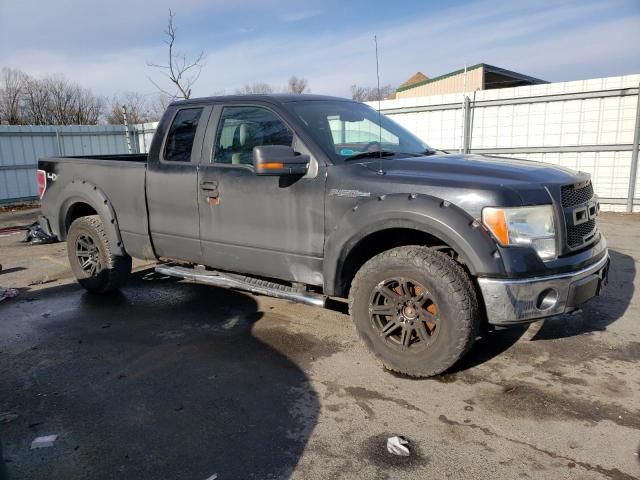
<point>305,197</point>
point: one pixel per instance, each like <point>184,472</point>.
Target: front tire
<point>95,266</point>
<point>416,310</point>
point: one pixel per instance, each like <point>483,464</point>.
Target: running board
<point>219,279</point>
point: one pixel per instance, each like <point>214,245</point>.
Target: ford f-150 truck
<point>305,197</point>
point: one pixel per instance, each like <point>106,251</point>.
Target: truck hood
<point>480,169</point>
<point>472,181</point>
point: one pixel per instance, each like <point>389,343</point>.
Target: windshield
<point>350,129</point>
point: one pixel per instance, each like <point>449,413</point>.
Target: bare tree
<point>295,85</point>
<point>63,99</point>
<point>89,107</point>
<point>298,85</point>
<point>181,72</point>
<point>359,93</point>
<point>56,101</point>
<point>49,101</point>
<point>37,103</point>
<point>157,106</point>
<point>256,87</point>
<point>385,92</point>
<point>12,83</point>
<point>368,94</point>
<point>138,109</point>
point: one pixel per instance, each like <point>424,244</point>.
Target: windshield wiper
<point>373,154</point>
<point>424,153</point>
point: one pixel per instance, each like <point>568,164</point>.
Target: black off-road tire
<point>452,292</point>
<point>113,270</point>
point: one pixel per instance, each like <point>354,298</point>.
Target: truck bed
<point>119,178</point>
<point>130,157</point>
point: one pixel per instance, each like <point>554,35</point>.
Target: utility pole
<point>464,112</point>
<point>126,127</point>
<point>633,175</point>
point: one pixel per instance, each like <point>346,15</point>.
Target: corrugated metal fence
<point>21,146</point>
<point>588,125</point>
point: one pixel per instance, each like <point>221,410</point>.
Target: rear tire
<point>416,310</point>
<point>95,266</point>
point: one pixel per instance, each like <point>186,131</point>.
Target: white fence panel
<point>587,125</point>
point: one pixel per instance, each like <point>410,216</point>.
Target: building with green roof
<point>477,77</point>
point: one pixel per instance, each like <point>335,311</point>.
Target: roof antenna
<point>380,171</point>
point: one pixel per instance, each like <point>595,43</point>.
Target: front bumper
<point>511,302</point>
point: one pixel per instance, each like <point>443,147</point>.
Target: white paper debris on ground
<point>212,477</point>
<point>396,446</point>
<point>7,293</point>
<point>43,442</point>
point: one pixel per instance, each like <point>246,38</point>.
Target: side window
<point>180,137</point>
<point>242,128</point>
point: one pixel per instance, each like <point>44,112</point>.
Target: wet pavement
<point>179,381</point>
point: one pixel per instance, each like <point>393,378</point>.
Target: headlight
<point>523,226</point>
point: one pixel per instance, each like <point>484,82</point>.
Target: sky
<point>106,45</point>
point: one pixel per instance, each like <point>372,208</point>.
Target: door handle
<point>210,191</point>
<point>209,186</point>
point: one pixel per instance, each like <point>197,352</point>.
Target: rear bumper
<point>511,302</point>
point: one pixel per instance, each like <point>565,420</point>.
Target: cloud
<point>82,26</point>
<point>332,64</point>
<point>297,16</point>
<point>566,40</point>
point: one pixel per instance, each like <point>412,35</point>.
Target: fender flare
<point>424,213</point>
<point>81,191</point>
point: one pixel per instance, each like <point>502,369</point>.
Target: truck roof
<point>270,97</point>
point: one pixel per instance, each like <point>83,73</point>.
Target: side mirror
<point>279,160</point>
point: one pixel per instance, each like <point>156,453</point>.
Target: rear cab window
<point>181,134</point>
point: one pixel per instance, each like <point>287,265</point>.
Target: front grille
<point>576,234</point>
<point>581,198</point>
<point>575,196</point>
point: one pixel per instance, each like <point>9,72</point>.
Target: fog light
<point>547,299</point>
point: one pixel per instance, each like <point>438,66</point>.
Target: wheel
<point>96,268</point>
<point>416,310</point>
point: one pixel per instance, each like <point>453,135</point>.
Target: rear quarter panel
<point>115,189</point>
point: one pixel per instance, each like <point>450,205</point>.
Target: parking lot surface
<point>170,380</point>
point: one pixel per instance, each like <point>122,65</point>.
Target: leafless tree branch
<point>298,85</point>
<point>47,101</point>
<point>255,88</point>
<point>12,85</point>
<point>162,90</point>
<point>368,94</point>
<point>181,73</point>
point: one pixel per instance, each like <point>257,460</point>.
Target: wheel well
<point>383,240</point>
<point>77,210</point>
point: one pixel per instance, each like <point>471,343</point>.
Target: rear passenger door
<point>172,179</point>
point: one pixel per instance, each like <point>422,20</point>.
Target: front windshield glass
<point>350,130</point>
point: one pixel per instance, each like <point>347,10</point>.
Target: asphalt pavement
<point>170,380</point>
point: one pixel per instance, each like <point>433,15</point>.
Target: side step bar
<point>240,282</point>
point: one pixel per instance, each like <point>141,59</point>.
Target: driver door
<point>264,225</point>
